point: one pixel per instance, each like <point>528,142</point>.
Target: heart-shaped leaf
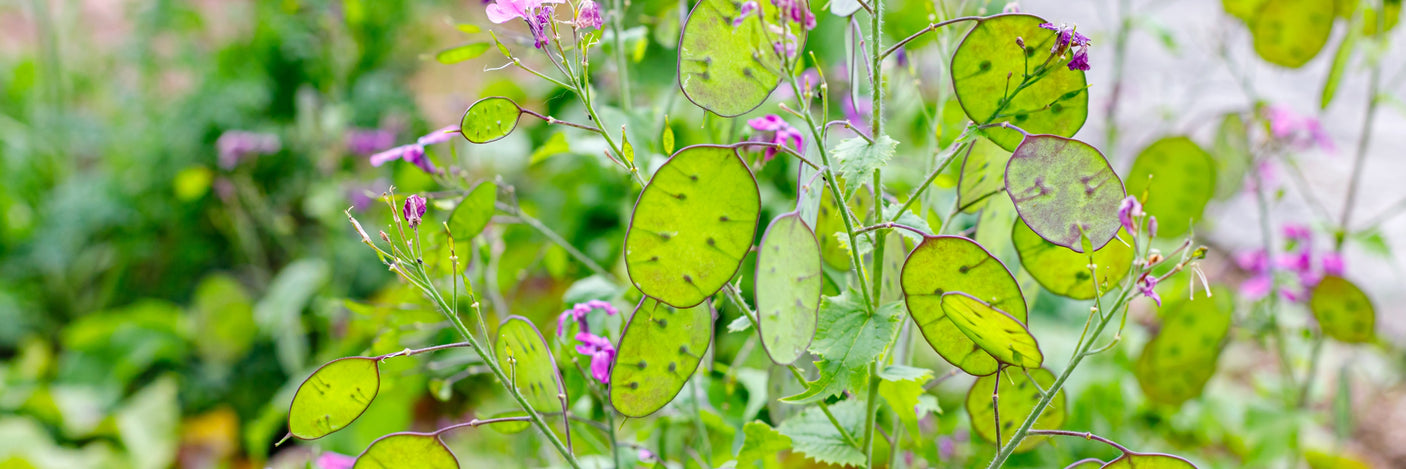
<point>1343,311</point>
<point>1064,189</point>
<point>1018,397</point>
<point>789,283</point>
<point>692,225</point>
<point>1149,461</point>
<point>1065,272</point>
<point>489,119</point>
<point>988,66</point>
<point>731,69</point>
<point>406,450</point>
<point>334,396</point>
<point>659,350</point>
<point>1289,33</point>
<point>1179,178</point>
<point>1175,365</point>
<point>1000,335</point>
<point>944,264</point>
<point>527,360</point>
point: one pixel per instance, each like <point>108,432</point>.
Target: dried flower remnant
<point>235,145</point>
<point>414,210</point>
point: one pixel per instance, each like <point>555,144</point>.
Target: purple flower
<point>1011,7</point>
<point>646,455</point>
<point>414,210</point>
<point>414,153</point>
<point>579,311</point>
<point>781,134</point>
<point>901,57</point>
<point>1332,264</point>
<point>1146,286</point>
<point>330,460</point>
<point>1297,232</point>
<point>505,10</point>
<point>1128,211</point>
<point>441,135</point>
<point>539,25</point>
<point>1080,61</point>
<point>748,9</point>
<point>1070,40</point>
<point>235,145</point>
<point>946,447</point>
<point>601,352</point>
<point>368,141</point>
<point>1152,227</point>
<point>588,15</point>
<point>1299,132</point>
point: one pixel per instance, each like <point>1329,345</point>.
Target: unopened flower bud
<point>1020,41</point>
<point>414,210</point>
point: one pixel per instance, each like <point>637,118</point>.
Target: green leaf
<point>1289,33</point>
<point>658,351</point>
<point>1335,71</point>
<point>729,70</point>
<point>1175,365</point>
<point>404,450</point>
<point>692,226</point>
<point>995,331</point>
<point>908,218</point>
<point>789,283</point>
<point>468,28</point>
<point>813,435</point>
<point>944,264</point>
<point>847,340</point>
<point>1232,150</point>
<point>1178,178</point>
<point>1018,397</point>
<point>1064,189</point>
<point>1243,9</point>
<point>334,396</point>
<point>761,443</point>
<point>983,172</point>
<point>857,159</point>
<point>1065,272</point>
<point>1343,311</point>
<point>902,387</point>
<point>830,227</point>
<point>625,146</point>
<point>473,212</point>
<point>458,54</point>
<point>555,145</point>
<point>489,119</point>
<point>527,360</point>
<point>988,64</point>
<point>1149,461</point>
<point>222,316</point>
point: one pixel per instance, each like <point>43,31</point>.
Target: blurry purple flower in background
<point>414,153</point>
<point>857,113</point>
<point>1011,7</point>
<point>901,57</point>
<point>330,460</point>
<point>440,135</point>
<point>588,15</point>
<point>601,352</point>
<point>646,455</point>
<point>1332,264</point>
<point>776,131</point>
<point>368,141</point>
<point>748,9</point>
<point>1300,132</point>
<point>946,448</point>
<point>578,314</point>
<point>362,196</point>
<point>414,210</point>
<point>234,145</point>
<point>1298,260</point>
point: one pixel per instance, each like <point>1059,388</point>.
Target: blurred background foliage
<point>158,308</point>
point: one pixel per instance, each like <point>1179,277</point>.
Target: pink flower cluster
<point>776,131</point>
<point>600,350</point>
<point>1298,260</point>
<point>1300,132</point>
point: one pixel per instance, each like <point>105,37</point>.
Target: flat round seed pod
<point>1018,397</point>
<point>1343,311</point>
<point>1176,364</point>
<point>527,360</point>
<point>692,225</point>
<point>731,69</point>
<point>1000,335</point>
<point>1149,461</point>
<point>405,451</point>
<point>489,119</point>
<point>1064,189</point>
<point>942,264</point>
<point>1179,179</point>
<point>334,396</point>
<point>658,352</point>
<point>1065,272</point>
<point>1289,33</point>
<point>789,283</point>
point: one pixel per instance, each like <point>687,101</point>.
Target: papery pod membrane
<point>1179,179</point>
<point>988,64</point>
<point>1065,272</point>
<point>789,282</point>
<point>1176,364</point>
<point>726,69</point>
<point>405,451</point>
<point>489,119</point>
<point>1232,154</point>
<point>1065,190</point>
<point>1289,33</point>
<point>983,172</point>
<point>659,350</point>
<point>829,227</point>
<point>474,212</point>
<point>1149,461</point>
<point>692,226</point>
<point>334,396</point>
<point>1018,397</point>
<point>1000,335</point>
<point>1343,311</point>
<point>942,264</point>
<point>525,357</point>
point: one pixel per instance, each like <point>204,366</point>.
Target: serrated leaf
<point>1065,272</point>
<point>902,387</point>
<point>813,435</point>
<point>908,218</point>
<point>400,450</point>
<point>1343,311</point>
<point>847,340</point>
<point>953,263</point>
<point>489,119</point>
<point>527,359</point>
<point>1065,190</point>
<point>1018,398</point>
<point>692,226</point>
<point>334,396</point>
<point>761,443</point>
<point>458,54</point>
<point>789,282</point>
<point>555,145</point>
<point>857,159</point>
<point>658,351</point>
<point>1179,179</point>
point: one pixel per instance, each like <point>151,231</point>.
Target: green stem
<point>622,68</point>
<point>876,126</point>
<point>1362,141</point>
